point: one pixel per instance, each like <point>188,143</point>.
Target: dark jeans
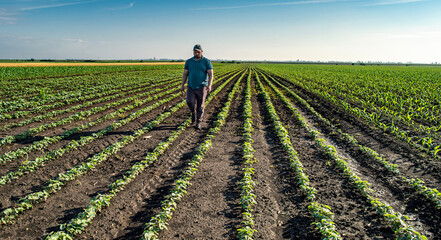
<point>197,97</point>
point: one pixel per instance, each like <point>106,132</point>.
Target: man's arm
<point>184,80</point>
<point>210,73</point>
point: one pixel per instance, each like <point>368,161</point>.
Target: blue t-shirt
<point>197,72</point>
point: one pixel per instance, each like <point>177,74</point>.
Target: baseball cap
<point>197,47</point>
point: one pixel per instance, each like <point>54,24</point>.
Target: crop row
<point>96,204</point>
<point>81,95</point>
<point>42,144</point>
<point>423,143</point>
<point>397,221</point>
<point>31,166</point>
<point>24,101</point>
<point>35,93</point>
<point>28,202</point>
<point>322,216</point>
<point>395,92</point>
<point>247,197</point>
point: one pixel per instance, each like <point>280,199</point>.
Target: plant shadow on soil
<point>30,140</point>
<point>67,216</point>
<point>424,208</point>
<point>375,220</point>
<point>297,226</point>
<point>144,216</point>
<point>78,136</point>
<point>232,195</point>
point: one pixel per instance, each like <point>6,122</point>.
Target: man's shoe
<point>193,118</point>
<point>198,126</point>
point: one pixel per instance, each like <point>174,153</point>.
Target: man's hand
<point>210,79</point>
<point>209,89</point>
<point>184,79</point>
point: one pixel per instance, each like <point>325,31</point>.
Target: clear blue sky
<point>312,30</point>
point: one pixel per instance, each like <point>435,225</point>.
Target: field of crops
<point>286,152</point>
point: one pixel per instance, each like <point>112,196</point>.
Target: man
<point>199,72</point>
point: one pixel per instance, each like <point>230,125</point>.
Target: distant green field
<point>16,73</point>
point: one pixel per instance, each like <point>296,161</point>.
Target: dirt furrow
<point>11,192</point>
<point>131,208</point>
<point>56,131</point>
<point>281,210</point>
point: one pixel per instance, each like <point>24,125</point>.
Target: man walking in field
<point>199,72</point>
